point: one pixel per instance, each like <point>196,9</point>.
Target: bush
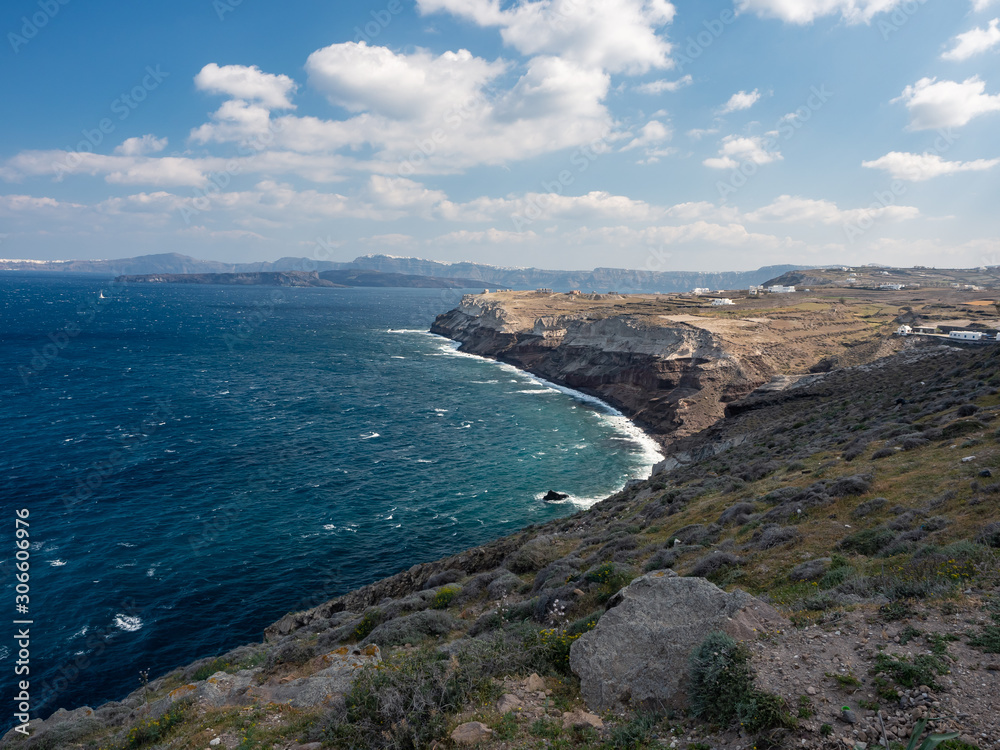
<point>869,506</point>
<point>443,597</point>
<point>721,677</point>
<point>413,628</point>
<point>372,619</point>
<point>713,564</point>
<point>721,688</point>
<point>855,485</point>
<point>207,670</point>
<point>868,542</point>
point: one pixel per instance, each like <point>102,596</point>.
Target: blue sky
<point>713,135</point>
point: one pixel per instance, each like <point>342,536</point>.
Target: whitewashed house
<point>966,335</point>
<point>904,330</point>
<point>701,290</point>
<point>779,289</point>
<point>719,302</point>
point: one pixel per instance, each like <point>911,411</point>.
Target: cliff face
<point>673,378</point>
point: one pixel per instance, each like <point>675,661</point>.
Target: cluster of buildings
<point>976,336</point>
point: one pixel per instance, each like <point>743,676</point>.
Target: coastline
<point>628,427</point>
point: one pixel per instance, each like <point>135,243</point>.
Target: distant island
<point>464,274</point>
<point>340,279</point>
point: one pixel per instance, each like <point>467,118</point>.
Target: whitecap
<point>329,527</point>
<point>57,563</point>
<point>128,623</point>
<point>370,435</point>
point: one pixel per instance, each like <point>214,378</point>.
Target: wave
<point>128,623</point>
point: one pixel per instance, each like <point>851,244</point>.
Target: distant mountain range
<point>342,279</point>
<point>464,274</point>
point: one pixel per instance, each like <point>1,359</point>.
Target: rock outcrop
<point>671,377</point>
<point>637,656</point>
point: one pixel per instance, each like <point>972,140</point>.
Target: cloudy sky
<point>724,134</point>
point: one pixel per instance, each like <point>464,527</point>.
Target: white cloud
<point>147,144</point>
<point>740,100</point>
<point>614,35</point>
<point>792,209</point>
<point>807,11</point>
<point>738,150</point>
<point>919,167</point>
<point>981,5</point>
<point>946,104</point>
<point>973,42</point>
<point>490,236</point>
<point>409,87</point>
<point>219,234</point>
<point>653,133</point>
<point>658,87</point>
<point>696,134</point>
<point>243,82</point>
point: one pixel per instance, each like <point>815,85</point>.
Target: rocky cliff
<point>673,378</point>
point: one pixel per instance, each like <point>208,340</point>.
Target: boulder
<point>534,683</point>
<point>508,703</point>
<point>637,656</point>
<point>581,719</point>
<point>471,733</point>
<point>553,496</point>
<point>321,687</point>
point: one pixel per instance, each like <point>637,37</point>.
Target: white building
<point>779,289</point>
<point>701,290</point>
<point>904,330</point>
<point>891,287</point>
<point>755,290</point>
<point>722,301</point>
<point>966,335</point>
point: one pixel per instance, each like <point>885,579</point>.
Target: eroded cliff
<point>672,373</point>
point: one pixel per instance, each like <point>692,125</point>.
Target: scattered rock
<point>581,719</point>
<point>637,655</point>
<point>508,703</point>
<point>471,733</point>
<point>552,495</point>
<point>534,683</point>
<point>811,690</point>
<point>216,741</point>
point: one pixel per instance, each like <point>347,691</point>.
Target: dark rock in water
<point>552,495</point>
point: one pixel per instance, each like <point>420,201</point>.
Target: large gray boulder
<point>637,656</point>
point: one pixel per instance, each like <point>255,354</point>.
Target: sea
<point>196,461</point>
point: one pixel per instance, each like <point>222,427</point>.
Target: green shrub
<point>443,597</point>
<point>921,671</point>
<point>721,687</point>
<point>636,733</point>
<point>206,671</point>
<point>868,542</point>
<point>150,731</point>
<point>721,677</point>
<point>372,619</point>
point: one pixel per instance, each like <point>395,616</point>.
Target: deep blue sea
<point>199,460</point>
